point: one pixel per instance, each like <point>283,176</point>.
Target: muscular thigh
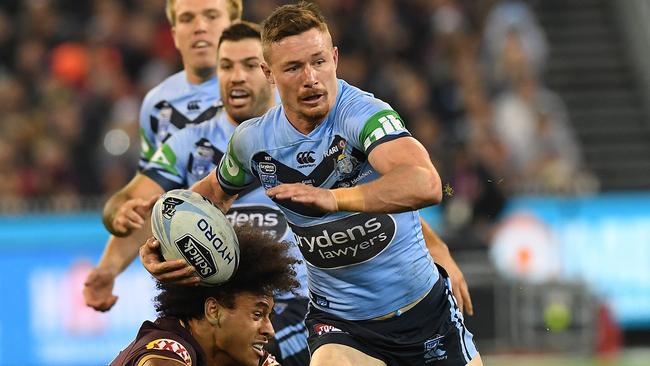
<point>339,355</point>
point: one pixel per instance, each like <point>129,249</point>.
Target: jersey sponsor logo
<point>231,166</point>
<point>193,105</point>
<point>305,158</point>
<point>338,147</point>
<point>322,328</point>
<point>166,159</point>
<point>265,218</point>
<point>197,255</point>
<point>433,349</point>
<point>381,124</point>
<point>171,345</point>
<point>267,168</point>
<point>169,206</point>
<point>317,177</point>
<point>351,240</point>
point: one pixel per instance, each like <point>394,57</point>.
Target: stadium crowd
<point>466,76</point>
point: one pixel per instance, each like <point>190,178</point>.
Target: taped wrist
<point>349,199</point>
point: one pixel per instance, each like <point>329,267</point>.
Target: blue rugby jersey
<point>360,265</point>
<point>190,154</point>
<point>172,105</point>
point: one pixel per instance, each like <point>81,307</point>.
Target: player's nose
<point>309,76</point>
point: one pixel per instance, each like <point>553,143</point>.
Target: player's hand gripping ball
<point>188,226</point>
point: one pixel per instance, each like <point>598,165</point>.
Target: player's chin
<point>251,358</point>
<point>316,113</point>
<point>203,64</point>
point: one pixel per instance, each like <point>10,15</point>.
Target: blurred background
<point>534,112</point>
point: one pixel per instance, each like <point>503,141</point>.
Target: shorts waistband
<point>404,309</point>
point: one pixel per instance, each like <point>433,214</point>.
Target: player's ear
<point>267,73</point>
<point>174,37</point>
<point>212,310</point>
<point>335,54</point>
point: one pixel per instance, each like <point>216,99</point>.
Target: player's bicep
<point>406,150</point>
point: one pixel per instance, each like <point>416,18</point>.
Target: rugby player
<point>192,153</point>
<point>226,325</point>
<point>349,178</point>
<point>188,97</point>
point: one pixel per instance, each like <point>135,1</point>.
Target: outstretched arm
<point>441,255</point>
<point>128,209</point>
<point>408,181</point>
<point>118,254</point>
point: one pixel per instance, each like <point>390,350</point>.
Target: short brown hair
<point>291,20</point>
<point>240,30</point>
<point>234,7</point>
<point>265,266</point>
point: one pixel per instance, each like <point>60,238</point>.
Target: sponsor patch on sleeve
<point>166,159</point>
<point>146,150</point>
<point>165,344</point>
<point>231,169</point>
<point>383,123</point>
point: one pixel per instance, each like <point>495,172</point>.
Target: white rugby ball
<point>188,226</point>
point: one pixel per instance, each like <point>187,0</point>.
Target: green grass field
<point>631,357</point>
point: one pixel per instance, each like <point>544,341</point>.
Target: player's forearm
<point>438,250</point>
<point>404,188</point>
<point>120,252</point>
<point>209,188</point>
<point>110,208</point>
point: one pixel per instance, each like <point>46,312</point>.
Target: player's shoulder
<point>258,126</point>
<point>165,338</point>
<point>169,88</point>
<point>209,129</point>
<point>359,103</point>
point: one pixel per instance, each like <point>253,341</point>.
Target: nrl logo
<point>169,207</point>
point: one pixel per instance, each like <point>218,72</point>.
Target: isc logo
<point>305,157</point>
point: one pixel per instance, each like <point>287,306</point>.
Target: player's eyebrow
<point>247,59</point>
<point>263,304</point>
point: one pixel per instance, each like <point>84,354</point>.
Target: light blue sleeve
<point>234,172</point>
<point>369,121</point>
<point>147,136</point>
<point>168,165</point>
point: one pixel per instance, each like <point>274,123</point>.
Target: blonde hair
<point>234,7</point>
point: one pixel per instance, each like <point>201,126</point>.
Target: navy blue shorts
<point>430,333</point>
<point>289,346</point>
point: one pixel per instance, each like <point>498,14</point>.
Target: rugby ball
<point>188,226</point>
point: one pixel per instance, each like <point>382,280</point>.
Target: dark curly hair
<point>265,266</point>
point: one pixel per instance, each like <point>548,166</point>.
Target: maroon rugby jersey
<point>167,338</point>
<point>163,338</point>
